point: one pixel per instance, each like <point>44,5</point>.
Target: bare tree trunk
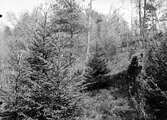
<point>140,17</point>
<point>141,24</point>
<point>89,31</point>
<point>98,32</point>
<point>144,18</point>
<point>144,23</point>
<point>131,3</point>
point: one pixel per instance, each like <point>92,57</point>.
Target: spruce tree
<point>96,73</point>
<point>156,71</point>
<point>44,91</point>
<point>49,68</point>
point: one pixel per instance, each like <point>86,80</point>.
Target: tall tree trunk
<point>140,17</point>
<point>144,18</point>
<point>141,25</point>
<point>98,32</point>
<point>89,31</point>
<point>144,25</point>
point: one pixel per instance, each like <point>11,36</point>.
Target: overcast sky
<point>20,6</point>
<point>106,6</point>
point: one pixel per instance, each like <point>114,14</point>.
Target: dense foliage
<point>96,73</point>
<point>156,99</point>
<point>48,73</point>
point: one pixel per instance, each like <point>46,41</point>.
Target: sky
<point>18,7</point>
<point>107,6</point>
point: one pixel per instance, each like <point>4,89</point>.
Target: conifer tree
<point>96,72</point>
<point>156,72</point>
<point>49,68</point>
<point>45,90</point>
